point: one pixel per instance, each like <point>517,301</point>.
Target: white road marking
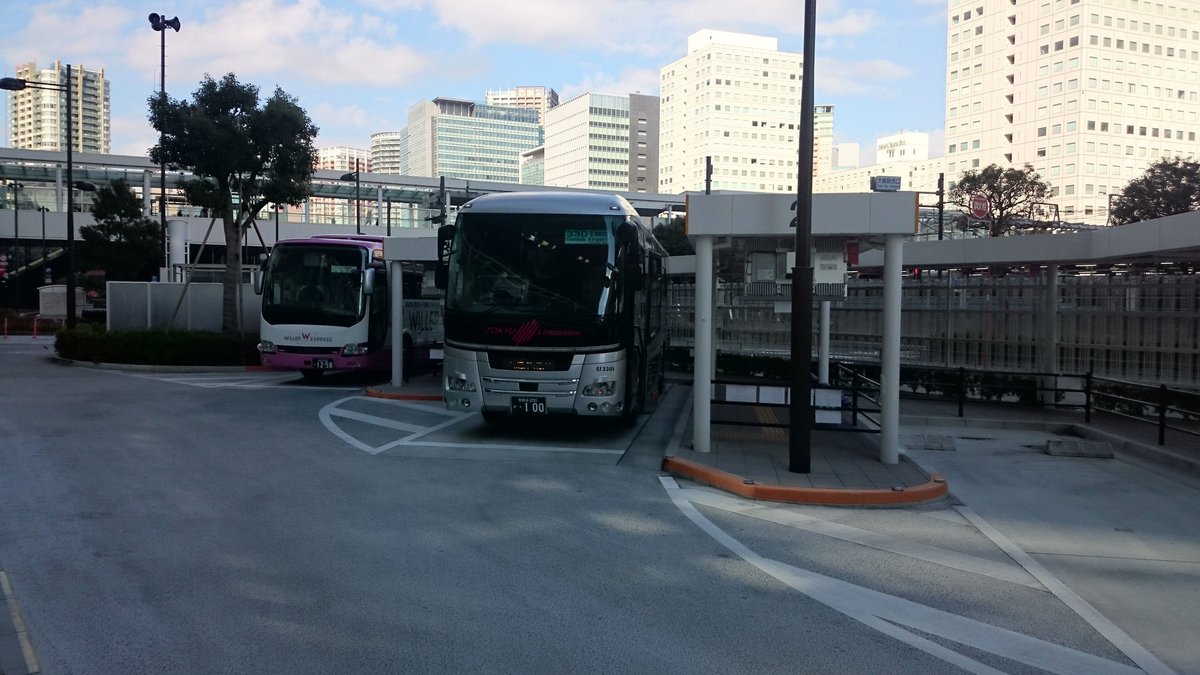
<point>1119,638</point>
<point>333,410</point>
<point>376,420</point>
<point>889,614</point>
<point>939,556</point>
<point>18,621</point>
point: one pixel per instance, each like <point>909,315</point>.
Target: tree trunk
<point>231,280</point>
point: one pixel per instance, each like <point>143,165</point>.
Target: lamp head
<point>12,83</point>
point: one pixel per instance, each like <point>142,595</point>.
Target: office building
<point>1089,92</point>
<point>540,99</point>
<point>905,155</point>
<point>37,118</point>
<point>734,98</point>
<point>533,166</point>
<point>465,139</point>
<point>603,142</point>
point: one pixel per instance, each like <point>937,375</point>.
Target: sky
<point>357,66</point>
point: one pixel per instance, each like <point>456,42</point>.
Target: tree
<point>123,243</point>
<point>1012,194</point>
<point>1169,187</point>
<point>243,156</point>
<point>670,234</point>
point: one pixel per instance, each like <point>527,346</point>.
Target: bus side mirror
<point>369,282</point>
<point>441,276</point>
<point>256,278</point>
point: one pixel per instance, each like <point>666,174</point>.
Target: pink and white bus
<point>325,308</point>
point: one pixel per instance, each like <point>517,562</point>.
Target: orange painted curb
<point>399,396</point>
<point>935,488</point>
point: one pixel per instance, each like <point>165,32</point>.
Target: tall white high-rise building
<point>735,98</point>
<point>342,158</point>
<point>457,138</point>
<point>1089,92</point>
<point>389,151</point>
<point>37,118</point>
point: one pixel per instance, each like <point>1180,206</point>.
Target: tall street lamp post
<point>16,265</point>
<point>161,23</point>
<point>356,176</point>
<point>800,412</point>
<point>18,84</point>
<point>45,251</point>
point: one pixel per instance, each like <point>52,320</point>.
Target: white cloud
<point>134,135</point>
<point>629,81</point>
<point>875,77</point>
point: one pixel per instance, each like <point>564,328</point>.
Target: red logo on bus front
<point>525,333</point>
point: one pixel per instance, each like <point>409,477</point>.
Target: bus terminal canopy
<point>771,215</point>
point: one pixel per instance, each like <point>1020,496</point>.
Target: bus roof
<point>550,202</point>
<point>367,241</point>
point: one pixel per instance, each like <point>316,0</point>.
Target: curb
<point>375,392</point>
<point>936,488</point>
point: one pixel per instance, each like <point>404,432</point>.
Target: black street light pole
<point>161,23</point>
<point>16,245</point>
<point>17,84</point>
<point>356,176</point>
<point>800,412</point>
<point>45,251</point>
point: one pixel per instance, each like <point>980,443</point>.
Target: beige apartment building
<point>37,118</point>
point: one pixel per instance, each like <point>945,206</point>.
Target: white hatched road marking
<point>890,614</point>
<point>331,412</point>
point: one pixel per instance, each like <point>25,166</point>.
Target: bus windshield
<point>533,264</point>
<point>314,284</point>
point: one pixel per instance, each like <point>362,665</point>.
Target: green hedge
<point>156,347</point>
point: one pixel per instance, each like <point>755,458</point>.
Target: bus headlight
<point>354,349</point>
<point>266,347</point>
<point>459,382</point>
<point>600,388</point>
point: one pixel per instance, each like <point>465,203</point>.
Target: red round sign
<point>979,206</point>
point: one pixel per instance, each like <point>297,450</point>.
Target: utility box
<point>52,302</point>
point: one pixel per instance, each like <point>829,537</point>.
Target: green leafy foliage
<point>155,347</point>
<point>263,154</point>
<point>673,238</point>
<point>123,243</point>
<point>1012,195</point>
<point>1168,187</point>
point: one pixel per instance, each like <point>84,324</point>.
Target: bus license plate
<point>322,364</point>
<point>529,405</point>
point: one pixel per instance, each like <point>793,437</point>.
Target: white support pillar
<point>147,198</point>
<point>396,281</point>
<point>58,189</point>
<point>177,234</point>
<point>1048,347</point>
<point>308,210</point>
<point>379,206</point>
<point>823,344</point>
<point>889,352</point>
<point>703,351</point>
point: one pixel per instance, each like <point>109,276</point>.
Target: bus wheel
<point>493,416</point>
<point>310,375</point>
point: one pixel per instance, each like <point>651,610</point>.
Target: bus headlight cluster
<point>266,347</point>
<point>600,388</point>
<point>354,349</point>
<point>459,382</point>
